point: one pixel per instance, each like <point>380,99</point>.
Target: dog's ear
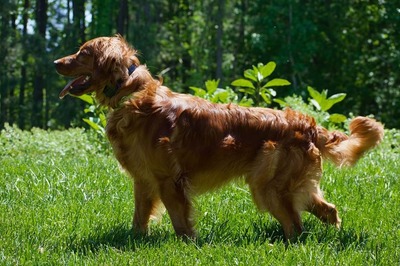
<point>134,60</point>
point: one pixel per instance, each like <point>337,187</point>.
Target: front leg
<point>146,204</point>
<point>174,195</point>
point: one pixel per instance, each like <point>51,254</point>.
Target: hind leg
<point>289,218</point>
<point>324,210</point>
<point>282,208</point>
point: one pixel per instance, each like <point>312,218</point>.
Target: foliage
<point>320,100</point>
<point>218,95</point>
<point>97,118</point>
<point>323,118</point>
<point>349,47</point>
<point>15,143</point>
<point>215,94</point>
<point>64,202</point>
<point>318,106</point>
<point>256,83</point>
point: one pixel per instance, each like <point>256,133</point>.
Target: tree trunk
<point>220,30</point>
<point>78,9</point>
<point>22,84</point>
<point>290,48</point>
<point>122,22</point>
<point>4,33</point>
<point>240,42</point>
<point>12,103</point>
<point>38,83</point>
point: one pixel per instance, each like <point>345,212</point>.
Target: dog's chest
<point>140,144</point>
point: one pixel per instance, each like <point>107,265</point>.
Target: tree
<point>40,60</point>
<point>219,44</point>
<point>24,77</point>
<point>122,21</point>
<point>79,25</point>
<point>349,47</point>
<point>103,17</point>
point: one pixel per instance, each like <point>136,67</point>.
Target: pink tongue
<point>73,83</point>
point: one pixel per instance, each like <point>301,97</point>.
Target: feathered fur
<point>175,146</point>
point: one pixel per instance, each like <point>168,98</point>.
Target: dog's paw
<point>332,216</point>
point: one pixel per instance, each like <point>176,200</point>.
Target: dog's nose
<point>58,65</point>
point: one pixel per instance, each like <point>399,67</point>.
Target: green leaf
<point>246,102</point>
<point>250,91</point>
<point>337,118</point>
<point>272,92</point>
<point>90,109</point>
<point>250,74</point>
<point>266,97</point>
<point>212,85</point>
<point>316,104</point>
<point>220,95</point>
<point>267,69</point>
<point>324,94</point>
<point>338,97</point>
<point>92,124</point>
<point>260,77</point>
<point>315,94</point>
<point>276,83</point>
<point>103,119</point>
<point>281,102</point>
<point>198,91</point>
<point>243,83</point>
<point>320,100</point>
<point>255,69</point>
<point>328,103</point>
<point>86,98</point>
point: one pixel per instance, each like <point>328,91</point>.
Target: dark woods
<point>342,46</point>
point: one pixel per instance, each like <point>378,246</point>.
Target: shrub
<point>257,85</point>
<point>255,88</point>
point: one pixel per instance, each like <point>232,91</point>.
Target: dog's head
<point>102,65</point>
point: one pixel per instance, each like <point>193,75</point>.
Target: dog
<point>176,146</point>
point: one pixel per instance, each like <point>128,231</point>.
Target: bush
<point>255,88</point>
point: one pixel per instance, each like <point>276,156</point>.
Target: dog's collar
<point>111,91</point>
<point>131,69</point>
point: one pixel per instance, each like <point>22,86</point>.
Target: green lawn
<point>64,200</point>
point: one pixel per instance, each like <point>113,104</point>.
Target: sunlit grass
<point>64,201</point>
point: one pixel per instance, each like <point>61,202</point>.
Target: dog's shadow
<point>121,237</point>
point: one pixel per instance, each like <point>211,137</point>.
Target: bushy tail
<point>343,150</point>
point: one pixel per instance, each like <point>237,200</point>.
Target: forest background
<point>347,47</point>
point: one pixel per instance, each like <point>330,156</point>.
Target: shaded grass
<point>64,201</point>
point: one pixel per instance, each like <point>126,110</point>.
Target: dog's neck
<point>140,81</point>
<point>110,91</point>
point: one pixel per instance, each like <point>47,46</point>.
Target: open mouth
<point>77,86</point>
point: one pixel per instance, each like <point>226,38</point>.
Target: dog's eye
<point>83,55</point>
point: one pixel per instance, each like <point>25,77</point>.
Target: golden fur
<point>175,146</point>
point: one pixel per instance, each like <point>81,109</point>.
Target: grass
<point>64,201</point>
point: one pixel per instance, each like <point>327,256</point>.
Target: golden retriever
<point>175,146</point>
